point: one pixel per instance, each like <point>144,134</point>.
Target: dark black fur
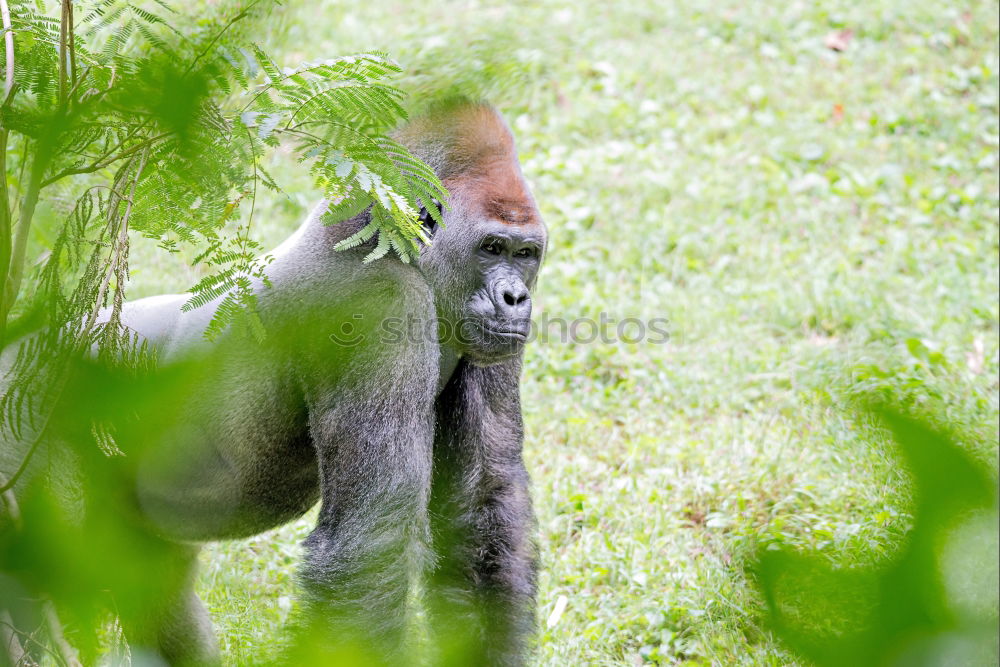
<point>483,588</point>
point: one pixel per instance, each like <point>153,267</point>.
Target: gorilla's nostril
<point>508,298</point>
<point>521,299</point>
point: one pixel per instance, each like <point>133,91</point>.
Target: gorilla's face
<point>483,263</point>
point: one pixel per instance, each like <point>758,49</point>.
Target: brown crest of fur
<point>459,137</point>
<point>470,146</point>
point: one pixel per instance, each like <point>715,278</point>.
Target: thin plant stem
<point>8,38</point>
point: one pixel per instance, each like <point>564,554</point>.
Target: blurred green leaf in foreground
<point>934,603</point>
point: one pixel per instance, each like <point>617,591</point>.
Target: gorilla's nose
<point>513,300</point>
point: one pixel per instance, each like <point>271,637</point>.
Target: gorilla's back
<point>214,475</point>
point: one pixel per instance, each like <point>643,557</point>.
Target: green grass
<point>813,225</point>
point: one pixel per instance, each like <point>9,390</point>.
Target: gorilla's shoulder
<point>341,282</point>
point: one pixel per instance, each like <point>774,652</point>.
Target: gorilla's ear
<point>429,219</point>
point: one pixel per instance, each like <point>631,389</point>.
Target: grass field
<point>812,223</point>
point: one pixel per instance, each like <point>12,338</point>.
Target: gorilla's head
<point>483,262</point>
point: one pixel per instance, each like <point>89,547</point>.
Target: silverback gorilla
<point>411,443</point>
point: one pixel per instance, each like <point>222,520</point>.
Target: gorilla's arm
<point>482,520</point>
<point>373,432</point>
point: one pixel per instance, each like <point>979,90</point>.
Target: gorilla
<point>386,391</point>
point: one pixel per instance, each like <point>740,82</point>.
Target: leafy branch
<point>160,129</point>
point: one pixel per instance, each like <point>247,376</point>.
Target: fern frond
<point>357,238</point>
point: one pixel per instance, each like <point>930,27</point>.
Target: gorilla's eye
<point>525,252</point>
<point>427,221</point>
<point>492,246</point>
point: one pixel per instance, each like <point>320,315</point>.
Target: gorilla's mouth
<point>520,333</point>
